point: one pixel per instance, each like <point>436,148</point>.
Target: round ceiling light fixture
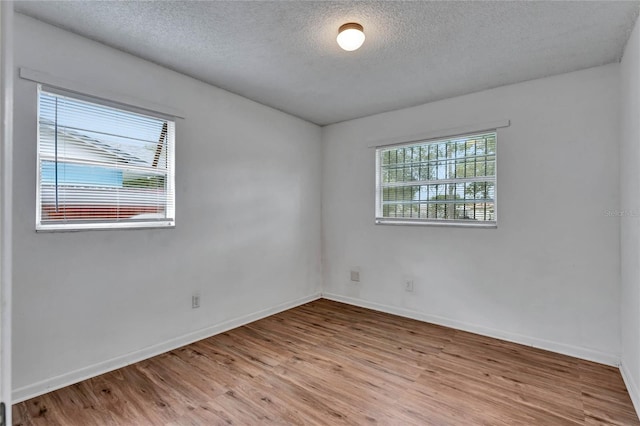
<point>350,36</point>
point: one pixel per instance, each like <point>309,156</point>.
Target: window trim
<point>100,94</point>
<point>380,220</point>
<point>97,225</point>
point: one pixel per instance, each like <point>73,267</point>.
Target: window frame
<point>379,219</point>
<point>88,224</point>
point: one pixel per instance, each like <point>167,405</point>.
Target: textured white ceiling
<point>284,54</point>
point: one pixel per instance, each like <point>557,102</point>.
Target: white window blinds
<point>445,181</point>
<point>101,166</point>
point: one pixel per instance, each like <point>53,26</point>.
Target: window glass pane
<point>101,166</point>
<point>450,179</point>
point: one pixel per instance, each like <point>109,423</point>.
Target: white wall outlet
<point>195,301</point>
<point>408,285</point>
<point>355,274</point>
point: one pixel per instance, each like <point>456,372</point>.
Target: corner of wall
<point>632,386</point>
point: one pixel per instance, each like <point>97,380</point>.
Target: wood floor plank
<point>328,363</point>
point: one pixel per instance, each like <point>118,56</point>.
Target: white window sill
<point>104,226</point>
<point>423,222</point>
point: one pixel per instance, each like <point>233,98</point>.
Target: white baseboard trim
<point>632,387</point>
<point>575,351</point>
<point>57,382</point>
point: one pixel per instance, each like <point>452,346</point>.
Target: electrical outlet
<point>355,275</point>
<point>195,301</point>
<point>408,285</point>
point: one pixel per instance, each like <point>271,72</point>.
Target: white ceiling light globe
<point>350,36</point>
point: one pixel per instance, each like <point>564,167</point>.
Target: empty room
<point>320,213</point>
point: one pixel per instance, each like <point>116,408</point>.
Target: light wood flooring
<point>327,363</point>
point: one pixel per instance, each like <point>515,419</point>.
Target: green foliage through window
<point>446,180</point>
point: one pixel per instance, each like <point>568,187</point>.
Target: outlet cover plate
<point>408,285</point>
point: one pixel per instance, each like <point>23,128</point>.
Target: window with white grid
<point>101,166</point>
<point>445,181</point>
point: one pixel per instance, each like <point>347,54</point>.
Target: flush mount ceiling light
<point>350,36</point>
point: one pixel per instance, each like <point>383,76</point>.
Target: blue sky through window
<point>132,133</point>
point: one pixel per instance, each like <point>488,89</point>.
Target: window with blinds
<point>445,181</point>
<point>101,166</point>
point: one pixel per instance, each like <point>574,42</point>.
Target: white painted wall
<point>247,234</point>
<point>630,221</point>
<point>549,274</point>
<point>6,190</point>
